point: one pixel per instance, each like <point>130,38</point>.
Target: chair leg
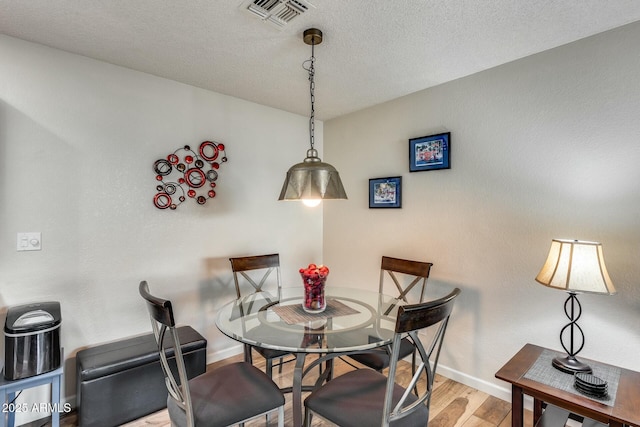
<point>280,367</point>
<point>329,367</point>
<point>247,354</point>
<point>269,368</point>
<point>281,416</point>
<point>307,417</point>
<point>413,371</point>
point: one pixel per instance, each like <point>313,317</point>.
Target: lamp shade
<point>312,179</point>
<point>576,266</point>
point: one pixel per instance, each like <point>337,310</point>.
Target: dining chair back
<point>405,276</point>
<point>253,273</point>
<point>229,395</point>
<point>255,270</point>
<point>367,397</point>
<point>415,271</point>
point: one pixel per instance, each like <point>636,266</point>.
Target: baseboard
<point>477,383</point>
<point>218,355</point>
<point>503,393</point>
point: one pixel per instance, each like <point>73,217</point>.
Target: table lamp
<point>574,266</point>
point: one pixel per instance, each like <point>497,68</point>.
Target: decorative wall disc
<point>188,174</point>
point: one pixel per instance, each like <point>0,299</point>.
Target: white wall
<point>544,147</point>
<point>78,139</point>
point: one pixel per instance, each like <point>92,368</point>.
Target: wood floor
<point>452,403</point>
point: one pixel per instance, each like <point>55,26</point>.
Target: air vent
<point>277,12</point>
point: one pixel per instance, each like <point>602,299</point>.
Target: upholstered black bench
<point>121,381</point>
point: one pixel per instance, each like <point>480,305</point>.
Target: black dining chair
<point>365,397</point>
<point>231,394</point>
<point>254,272</point>
<point>405,276</point>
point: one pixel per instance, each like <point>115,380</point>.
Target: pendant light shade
<point>312,180</point>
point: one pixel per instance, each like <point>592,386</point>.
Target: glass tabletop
<point>354,320</point>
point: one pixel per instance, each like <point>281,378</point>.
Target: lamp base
<point>570,365</point>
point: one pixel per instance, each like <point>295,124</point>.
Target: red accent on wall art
<point>177,181</point>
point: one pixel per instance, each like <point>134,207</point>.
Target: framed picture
<point>385,192</point>
<point>430,152</point>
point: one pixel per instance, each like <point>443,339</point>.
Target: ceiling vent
<point>277,12</point>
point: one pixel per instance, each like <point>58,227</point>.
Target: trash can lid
<point>32,317</point>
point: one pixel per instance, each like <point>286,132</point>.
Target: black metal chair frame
<point>163,322</point>
<point>268,264</point>
<point>410,320</point>
<point>390,266</point>
<point>419,269</point>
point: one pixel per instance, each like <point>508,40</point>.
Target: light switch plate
<point>30,241</point>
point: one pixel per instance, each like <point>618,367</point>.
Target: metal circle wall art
<point>188,174</point>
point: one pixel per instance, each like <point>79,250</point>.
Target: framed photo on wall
<point>385,192</point>
<point>430,152</point>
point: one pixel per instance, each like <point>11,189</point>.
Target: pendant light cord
<point>312,86</point>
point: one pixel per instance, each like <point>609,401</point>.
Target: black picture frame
<point>385,192</point>
<point>430,152</point>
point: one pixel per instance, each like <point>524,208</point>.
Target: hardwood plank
<point>528,420</point>
<point>451,415</point>
<point>474,421</point>
<point>446,393</point>
<point>493,410</point>
<point>158,419</point>
<point>476,398</point>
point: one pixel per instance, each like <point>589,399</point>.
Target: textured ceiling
<point>373,50</point>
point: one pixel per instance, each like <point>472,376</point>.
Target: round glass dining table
<point>355,320</point>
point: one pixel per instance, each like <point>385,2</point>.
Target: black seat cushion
<point>356,399</point>
<point>215,396</point>
<point>378,359</point>
<point>270,354</point>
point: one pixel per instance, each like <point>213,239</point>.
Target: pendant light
<point>312,180</point>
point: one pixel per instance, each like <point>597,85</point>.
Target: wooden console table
<point>623,411</point>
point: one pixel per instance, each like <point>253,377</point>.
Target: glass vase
<point>314,300</point>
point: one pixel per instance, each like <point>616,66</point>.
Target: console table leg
<point>517,403</point>
<point>537,410</point>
